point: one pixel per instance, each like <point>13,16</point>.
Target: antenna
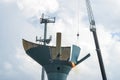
<point>45,21</point>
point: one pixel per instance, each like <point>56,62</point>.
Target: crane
<point>93,30</point>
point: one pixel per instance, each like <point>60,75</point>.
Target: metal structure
<point>93,30</point>
<point>45,40</point>
<point>56,60</point>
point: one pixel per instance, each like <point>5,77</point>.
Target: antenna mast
<point>45,40</point>
<point>93,30</point>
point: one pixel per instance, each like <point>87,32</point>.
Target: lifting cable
<point>77,17</point>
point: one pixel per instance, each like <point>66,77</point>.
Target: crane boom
<point>93,30</point>
<point>90,16</point>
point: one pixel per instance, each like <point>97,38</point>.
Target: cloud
<point>19,20</point>
<point>14,27</point>
<point>116,36</point>
<point>107,13</point>
<point>36,8</point>
<point>7,1</point>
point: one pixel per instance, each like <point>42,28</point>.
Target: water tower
<point>56,60</point>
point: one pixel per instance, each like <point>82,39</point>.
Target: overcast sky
<point>20,19</point>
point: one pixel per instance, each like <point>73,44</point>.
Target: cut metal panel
<point>41,54</point>
<point>53,52</point>
<point>65,53</point>
<point>75,53</point>
<point>27,45</point>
